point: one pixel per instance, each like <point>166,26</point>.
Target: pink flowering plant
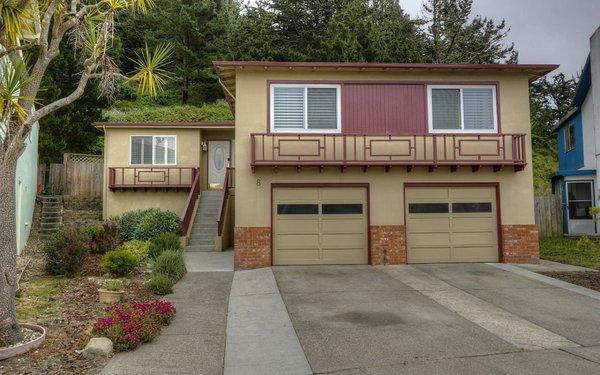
<point>131,324</point>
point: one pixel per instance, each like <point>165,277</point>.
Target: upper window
<point>570,137</point>
<point>304,107</point>
<point>153,150</point>
<point>469,109</point>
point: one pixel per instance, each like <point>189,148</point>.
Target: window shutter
<point>288,107</point>
<point>141,150</point>
<point>445,109</point>
<point>478,108</point>
<point>322,108</point>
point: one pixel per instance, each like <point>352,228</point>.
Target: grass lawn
<point>564,250</point>
<point>39,298</point>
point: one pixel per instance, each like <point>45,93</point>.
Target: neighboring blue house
<point>578,137</point>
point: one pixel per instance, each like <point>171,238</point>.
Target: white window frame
<point>462,116</point>
<point>305,86</point>
<point>153,149</point>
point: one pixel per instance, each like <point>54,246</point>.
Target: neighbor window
<point>153,150</point>
<point>469,109</point>
<point>570,137</point>
<point>308,108</point>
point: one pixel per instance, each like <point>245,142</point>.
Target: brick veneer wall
<point>389,242</point>
<point>252,247</point>
<point>520,244</point>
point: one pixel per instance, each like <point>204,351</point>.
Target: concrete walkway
<point>195,342</point>
<point>550,266</point>
<point>209,261</point>
<point>260,337</point>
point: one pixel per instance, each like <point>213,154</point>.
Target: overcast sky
<point>544,31</point>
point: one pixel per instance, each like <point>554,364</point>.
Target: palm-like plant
<point>151,73</point>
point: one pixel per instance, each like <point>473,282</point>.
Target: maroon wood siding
<point>384,109</point>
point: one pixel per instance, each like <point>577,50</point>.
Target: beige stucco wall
<point>189,154</point>
<point>253,191</point>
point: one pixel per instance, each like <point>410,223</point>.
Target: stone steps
<point>204,228</point>
<point>51,218</point>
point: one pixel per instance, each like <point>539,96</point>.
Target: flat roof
<point>226,70</point>
<point>166,124</point>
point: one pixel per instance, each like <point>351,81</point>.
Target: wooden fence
<point>79,175</point>
<point>548,215</point>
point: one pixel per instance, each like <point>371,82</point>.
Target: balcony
<point>134,178</point>
<point>428,150</point>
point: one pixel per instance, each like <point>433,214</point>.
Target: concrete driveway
<point>450,319</point>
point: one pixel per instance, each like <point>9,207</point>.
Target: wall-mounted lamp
<point>204,146</point>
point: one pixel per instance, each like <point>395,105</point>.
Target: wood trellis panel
<point>84,175</point>
<point>549,215</point>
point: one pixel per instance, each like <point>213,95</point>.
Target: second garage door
<point>319,226</point>
<point>451,224</point>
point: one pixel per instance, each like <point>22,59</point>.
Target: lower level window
<point>153,150</point>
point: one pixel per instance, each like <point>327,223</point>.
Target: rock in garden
<point>98,346</point>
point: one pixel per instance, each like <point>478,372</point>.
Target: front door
<point>218,161</point>
<point>580,197</point>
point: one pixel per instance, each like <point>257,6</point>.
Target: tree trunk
<point>10,331</point>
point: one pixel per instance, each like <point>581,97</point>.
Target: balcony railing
<point>431,150</point>
<point>151,177</point>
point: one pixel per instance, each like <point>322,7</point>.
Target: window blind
<point>288,108</point>
<point>141,150</point>
<point>322,108</point>
<point>478,108</point>
<point>445,108</point>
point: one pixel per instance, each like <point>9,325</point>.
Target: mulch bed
<point>589,279</point>
<point>70,330</point>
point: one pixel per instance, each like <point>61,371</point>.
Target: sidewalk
<point>195,342</point>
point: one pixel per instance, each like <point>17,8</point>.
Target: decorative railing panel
<point>371,150</point>
<point>151,177</point>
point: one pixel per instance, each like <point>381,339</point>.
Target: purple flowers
<point>130,324</point>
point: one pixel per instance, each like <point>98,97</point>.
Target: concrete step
<point>53,224</point>
<point>54,219</point>
<point>202,241</point>
<point>200,248</point>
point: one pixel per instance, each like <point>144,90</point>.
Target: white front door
<point>580,198</point>
<point>218,161</point>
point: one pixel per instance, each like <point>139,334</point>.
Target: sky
<point>544,31</point>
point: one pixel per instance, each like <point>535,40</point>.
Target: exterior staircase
<point>52,215</point>
<point>204,229</point>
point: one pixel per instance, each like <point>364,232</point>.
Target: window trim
<point>153,149</point>
<point>272,128</point>
<point>462,115</point>
<point>567,130</point>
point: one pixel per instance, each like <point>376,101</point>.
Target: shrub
<point>162,243</point>
<point>131,324</point>
<point>586,245</point>
<point>128,222</point>
<point>65,252</point>
<point>146,224</point>
<point>119,262</point>
<point>138,248</point>
<point>160,284</point>
<point>170,263</point>
<point>155,222</point>
<point>104,238</point>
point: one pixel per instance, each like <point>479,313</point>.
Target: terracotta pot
<point>24,348</point>
<point>109,297</point>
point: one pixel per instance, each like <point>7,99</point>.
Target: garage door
<point>457,224</point>
<point>319,226</point>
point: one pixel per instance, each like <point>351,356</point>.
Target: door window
<point>580,200</point>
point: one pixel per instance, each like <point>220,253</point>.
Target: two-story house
<point>346,163</point>
<point>578,143</point>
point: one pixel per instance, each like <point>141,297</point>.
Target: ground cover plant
<point>566,250</point>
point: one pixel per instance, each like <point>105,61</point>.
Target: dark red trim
<point>327,185</point>
<point>542,68</point>
<point>168,124</point>
<point>495,185</point>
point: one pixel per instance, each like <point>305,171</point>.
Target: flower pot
<point>14,351</point>
<point>109,297</point>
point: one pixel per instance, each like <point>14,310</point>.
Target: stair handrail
<point>188,209</point>
<point>227,184</point>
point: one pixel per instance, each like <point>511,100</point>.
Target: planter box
<point>110,298</point>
